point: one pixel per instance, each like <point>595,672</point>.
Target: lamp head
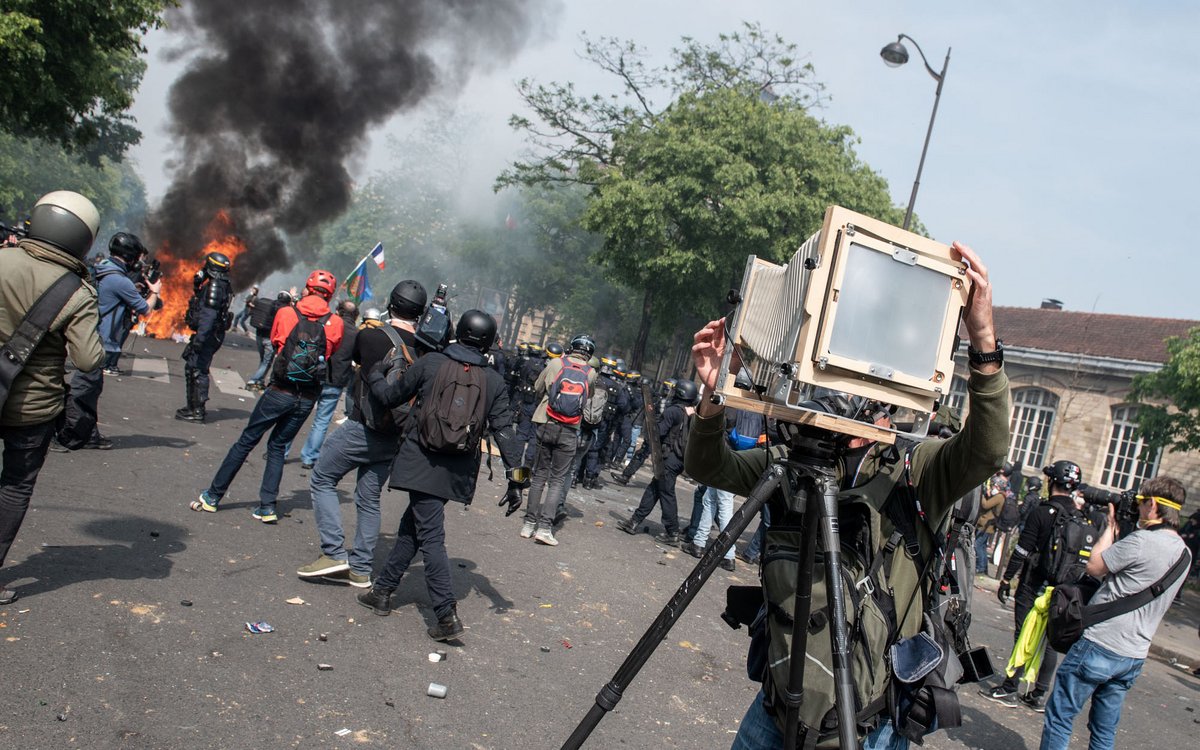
<point>894,54</point>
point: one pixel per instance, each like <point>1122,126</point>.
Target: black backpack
<point>372,412</point>
<point>301,362</point>
<point>1010,514</point>
<point>1069,547</point>
<point>452,417</point>
<point>263,314</point>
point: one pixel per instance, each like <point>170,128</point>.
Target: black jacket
<point>341,362</point>
<point>1031,552</point>
<point>440,474</point>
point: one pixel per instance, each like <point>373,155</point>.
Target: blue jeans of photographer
<point>758,732</point>
<point>1088,671</point>
<point>266,353</point>
<point>718,505</point>
<point>981,553</point>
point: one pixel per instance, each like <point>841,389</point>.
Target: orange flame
<point>178,272</point>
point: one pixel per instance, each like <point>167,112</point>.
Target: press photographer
<point>912,489</point>
<point>1145,568</point>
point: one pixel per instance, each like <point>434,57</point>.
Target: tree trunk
<point>639,346</point>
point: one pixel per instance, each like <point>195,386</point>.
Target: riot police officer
<point>616,404</point>
<point>526,401</point>
<point>208,317</point>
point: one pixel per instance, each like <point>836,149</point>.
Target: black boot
<point>377,600</point>
<point>448,627</point>
<point>629,525</point>
<point>669,538</point>
<point>188,413</point>
<point>620,479</point>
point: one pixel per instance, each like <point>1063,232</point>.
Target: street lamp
<point>895,55</point>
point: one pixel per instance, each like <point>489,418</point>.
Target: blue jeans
<point>283,414</point>
<point>754,548</point>
<point>351,447</point>
<point>981,553</point>
<point>1088,671</point>
<point>697,511</point>
<point>266,354</point>
<point>759,732</point>
<point>718,504</point>
<point>326,406</point>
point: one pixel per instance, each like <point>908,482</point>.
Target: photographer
<point>264,318</point>
<point>1104,663</point>
<point>340,370</point>
<point>458,398</point>
<point>940,472</point>
<point>62,228</point>
<point>249,301</point>
<point>1034,559</point>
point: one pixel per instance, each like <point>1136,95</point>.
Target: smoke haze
<point>280,95</point>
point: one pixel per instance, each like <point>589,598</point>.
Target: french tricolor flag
<point>377,254</point>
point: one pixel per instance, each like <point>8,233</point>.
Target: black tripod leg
<point>793,695</point>
<point>610,694</point>
<point>843,681</point>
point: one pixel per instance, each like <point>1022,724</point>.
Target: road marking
<point>150,368</point>
<point>229,381</point>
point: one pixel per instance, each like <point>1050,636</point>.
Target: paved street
<point>101,650</point>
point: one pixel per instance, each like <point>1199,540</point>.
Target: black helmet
<point>584,344</point>
<point>686,392</point>
<point>1033,484</point>
<point>1065,473</point>
<point>217,263</point>
<point>66,220</point>
<point>554,349</point>
<point>522,348</point>
<point>284,296</point>
<point>408,300</point>
<point>127,247</point>
<point>1007,469</point>
<point>476,329</point>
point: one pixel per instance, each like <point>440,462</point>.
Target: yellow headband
<point>1161,501</point>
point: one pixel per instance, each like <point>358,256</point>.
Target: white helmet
<point>66,220</point>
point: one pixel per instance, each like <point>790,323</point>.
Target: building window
<point>957,397</point>
<point>1032,419</point>
<point>1125,466</point>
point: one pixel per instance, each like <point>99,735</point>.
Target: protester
<point>249,302</point>
<point>303,337</point>
<point>62,227</point>
<point>263,319</point>
<point>337,377</point>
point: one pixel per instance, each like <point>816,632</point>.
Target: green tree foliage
<point>734,165</point>
<point>69,69</point>
<point>31,168</point>
<point>1169,400</point>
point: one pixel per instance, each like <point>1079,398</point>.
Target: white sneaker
<point>545,536</point>
<point>527,529</point>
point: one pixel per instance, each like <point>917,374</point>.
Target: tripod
<point>807,485</point>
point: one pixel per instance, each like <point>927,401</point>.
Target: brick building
<point>1070,374</point>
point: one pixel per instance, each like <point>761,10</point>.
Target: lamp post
<point>896,55</point>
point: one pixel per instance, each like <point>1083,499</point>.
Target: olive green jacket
<point>942,472</point>
<point>26,271</point>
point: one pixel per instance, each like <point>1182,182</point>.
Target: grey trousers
<point>556,444</point>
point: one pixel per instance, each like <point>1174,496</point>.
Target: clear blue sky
<point>1065,149</point>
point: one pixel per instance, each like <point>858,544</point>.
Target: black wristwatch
<point>983,358</point>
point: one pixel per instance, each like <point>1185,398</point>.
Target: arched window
<point>1032,420</point>
<point>1125,466</point>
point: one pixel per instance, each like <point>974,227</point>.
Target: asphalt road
<point>101,652</point>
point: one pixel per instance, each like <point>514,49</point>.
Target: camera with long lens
<point>1125,503</point>
<point>20,230</point>
<point>863,308</point>
<point>144,273</point>
<point>433,329</point>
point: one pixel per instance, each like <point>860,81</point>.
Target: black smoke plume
<point>279,95</point>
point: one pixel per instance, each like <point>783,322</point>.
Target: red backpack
<point>568,393</point>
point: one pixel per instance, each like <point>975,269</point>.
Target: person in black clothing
<point>433,478</point>
<point>616,405</point>
<point>527,401</point>
<point>624,433</point>
<point>1030,559</point>
<point>262,321</point>
<point>339,370</point>
<point>208,317</point>
<point>672,427</point>
<point>356,446</point>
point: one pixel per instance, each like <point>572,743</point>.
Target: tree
<point>69,70</point>
<point>31,168</point>
<point>1169,400</point>
<point>734,166</point>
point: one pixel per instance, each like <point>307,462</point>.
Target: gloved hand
<point>512,498</point>
<point>1003,592</point>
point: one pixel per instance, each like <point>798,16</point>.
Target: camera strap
<point>32,328</point>
<point>1094,614</point>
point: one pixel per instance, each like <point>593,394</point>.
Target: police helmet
<point>522,349</point>
<point>554,350</point>
<point>476,329</point>
<point>633,376</point>
<point>66,220</point>
<point>535,350</point>
<point>686,392</point>
<point>584,344</point>
<point>372,313</point>
<point>127,247</point>
<point>408,300</point>
<point>217,263</point>
<point>1066,474</point>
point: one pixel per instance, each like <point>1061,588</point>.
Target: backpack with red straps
<point>568,393</point>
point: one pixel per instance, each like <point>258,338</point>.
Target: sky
<point>1064,150</point>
